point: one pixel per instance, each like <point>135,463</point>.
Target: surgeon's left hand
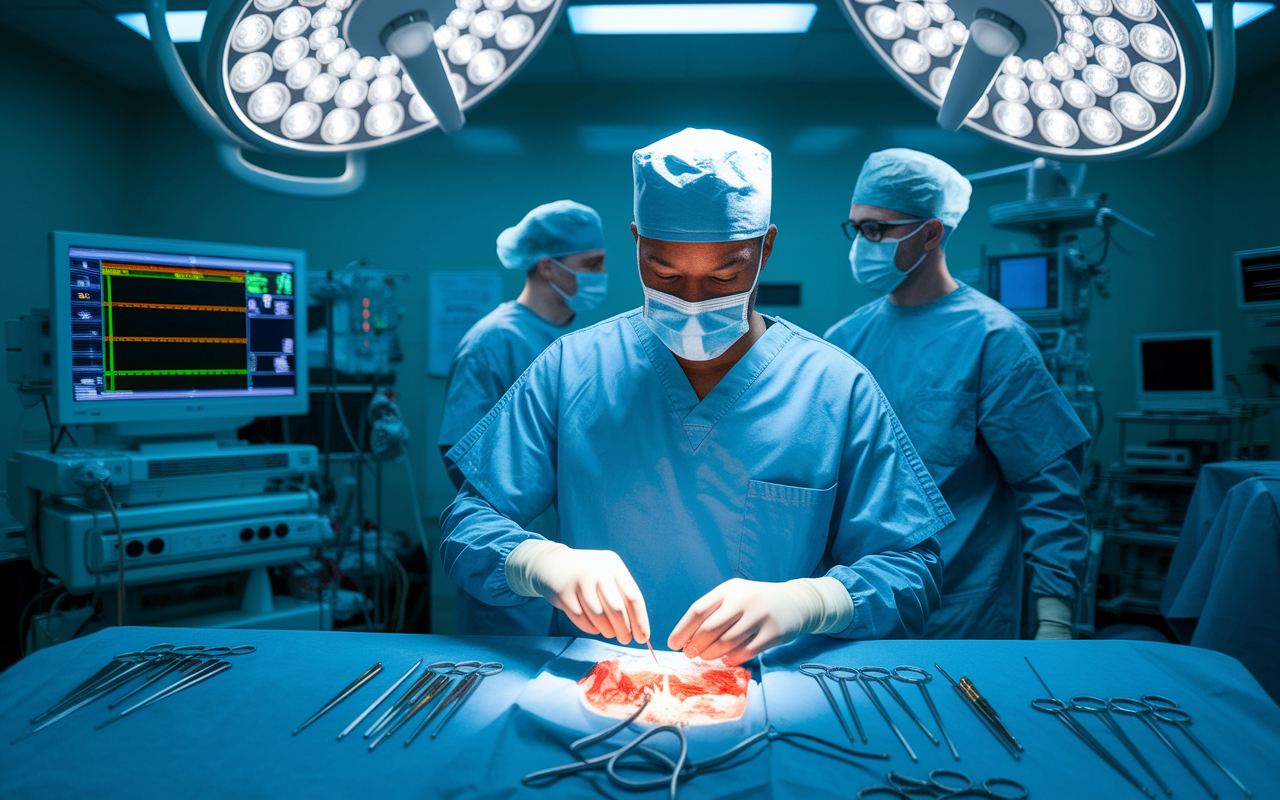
<point>740,619</point>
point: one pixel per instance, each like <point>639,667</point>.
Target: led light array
<point>1113,83</point>
<point>291,78</point>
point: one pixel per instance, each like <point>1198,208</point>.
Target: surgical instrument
<point>1167,710</point>
<point>486,669</point>
<point>1037,674</point>
<point>119,672</point>
<point>981,702</point>
<point>842,676</point>
<point>980,714</point>
<point>904,788</point>
<point>342,695</point>
<point>378,702</point>
<point>1144,712</point>
<point>433,690</point>
<point>921,678</point>
<point>884,677</point>
<point>817,672</point>
<point>412,694</point>
<point>875,701</point>
<point>1062,711</point>
<point>1094,705</point>
<point>206,671</point>
<point>185,662</point>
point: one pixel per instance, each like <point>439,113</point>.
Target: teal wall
<point>84,154</point>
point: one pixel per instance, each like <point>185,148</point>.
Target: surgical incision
<point>684,692</point>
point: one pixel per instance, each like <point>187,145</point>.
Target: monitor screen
<point>1024,282</point>
<point>1177,365</point>
<point>148,326</point>
<point>1260,278</point>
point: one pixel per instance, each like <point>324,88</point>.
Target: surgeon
<point>967,379</point>
<point>723,479</point>
<point>560,248</point>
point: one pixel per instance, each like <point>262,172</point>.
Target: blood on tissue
<point>696,693</point>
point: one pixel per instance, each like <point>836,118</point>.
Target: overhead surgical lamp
<point>1083,80</point>
<point>314,78</point>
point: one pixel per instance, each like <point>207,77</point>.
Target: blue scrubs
<point>488,360</point>
<point>1005,446</point>
<point>793,466</point>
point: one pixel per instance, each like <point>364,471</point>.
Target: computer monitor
<point>170,337</point>
<point>1258,279</point>
<point>1180,371</point>
<point>1028,284</point>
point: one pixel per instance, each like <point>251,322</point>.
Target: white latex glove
<point>593,587</point>
<point>1053,615</point>
<point>739,619</point>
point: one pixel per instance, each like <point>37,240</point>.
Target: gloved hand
<point>593,587</point>
<point>739,619</point>
<point>1053,615</point>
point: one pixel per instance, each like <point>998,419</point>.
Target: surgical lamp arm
<point>1224,80</point>
<point>229,147</point>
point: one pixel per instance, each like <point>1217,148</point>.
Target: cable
<point>111,504</point>
<point>417,511</point>
<point>22,618</point>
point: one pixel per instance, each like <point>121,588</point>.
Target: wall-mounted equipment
<point>315,78</point>
<point>1085,80</point>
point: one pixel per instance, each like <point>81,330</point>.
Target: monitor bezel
<point>1214,400</point>
<point>1033,314</point>
<point>1238,257</point>
<point>63,408</point>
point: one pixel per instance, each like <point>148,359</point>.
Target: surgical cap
<point>702,186</point>
<point>913,183</point>
<point>556,229</point>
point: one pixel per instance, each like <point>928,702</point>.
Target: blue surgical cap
<point>556,229</point>
<point>913,183</point>
<point>702,186</point>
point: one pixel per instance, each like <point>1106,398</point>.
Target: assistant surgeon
<point>966,377</point>
<point>560,248</point>
<point>720,476</point>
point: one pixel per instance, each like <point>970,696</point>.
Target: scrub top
<point>488,360</point>
<point>968,381</point>
<point>793,466</point>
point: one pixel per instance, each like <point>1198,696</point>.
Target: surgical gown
<point>793,466</point>
<point>488,360</point>
<point>970,386</point>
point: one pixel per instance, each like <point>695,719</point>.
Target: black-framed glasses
<point>873,230</point>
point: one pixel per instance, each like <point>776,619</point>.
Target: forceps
<point>185,663</point>
<point>1094,705</point>
<point>818,672</point>
<point>1144,712</point>
<point>875,701</point>
<point>208,670</point>
<point>425,698</point>
<point>364,678</point>
<point>413,693</point>
<point>1061,710</point>
<point>884,678</point>
<point>464,693</point>
<point>107,678</point>
<point>1166,710</point>
<point>903,788</point>
<point>922,678</point>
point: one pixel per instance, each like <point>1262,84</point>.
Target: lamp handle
<point>1224,80</point>
<point>231,157</point>
<point>229,147</point>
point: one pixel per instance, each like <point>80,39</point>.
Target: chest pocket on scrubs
<point>943,426</point>
<point>784,531</point>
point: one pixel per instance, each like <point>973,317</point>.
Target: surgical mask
<point>698,331</point>
<point>874,262</point>
<point>592,287</point>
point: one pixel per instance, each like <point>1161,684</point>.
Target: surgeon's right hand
<point>592,587</point>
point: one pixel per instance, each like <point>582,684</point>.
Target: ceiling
<point>85,30</point>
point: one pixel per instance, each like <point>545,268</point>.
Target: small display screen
<point>165,326</point>
<point>1177,365</point>
<point>1024,283</point>
<point>1261,278</point>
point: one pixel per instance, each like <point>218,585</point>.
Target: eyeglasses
<point>872,230</point>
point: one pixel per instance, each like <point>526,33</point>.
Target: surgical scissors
<point>1062,710</point>
<point>885,677</point>
<point>1144,712</point>
<point>904,788</point>
<point>1167,710</point>
<point>1095,705</point>
<point>820,671</point>
<point>921,678</point>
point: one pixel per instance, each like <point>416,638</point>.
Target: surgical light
<point>1067,79</point>
<point>681,18</point>
<point>1242,14</point>
<point>316,78</point>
